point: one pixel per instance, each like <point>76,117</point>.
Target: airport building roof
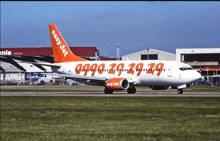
<point>150,54</point>
<point>46,51</point>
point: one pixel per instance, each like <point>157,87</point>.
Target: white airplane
<point>119,75</point>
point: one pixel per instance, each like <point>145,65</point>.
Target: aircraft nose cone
<point>197,76</point>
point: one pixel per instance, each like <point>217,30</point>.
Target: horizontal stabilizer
<point>42,64</point>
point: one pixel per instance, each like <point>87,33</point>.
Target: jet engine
<point>117,84</point>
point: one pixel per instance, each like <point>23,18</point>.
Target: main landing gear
<point>180,91</point>
<point>131,90</point>
<point>108,91</point>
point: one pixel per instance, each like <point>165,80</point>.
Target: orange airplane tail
<point>61,51</point>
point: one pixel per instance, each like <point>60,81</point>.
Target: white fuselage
<point>149,73</point>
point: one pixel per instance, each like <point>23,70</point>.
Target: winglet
<point>61,51</point>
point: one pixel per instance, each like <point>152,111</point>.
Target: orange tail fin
<point>61,51</point>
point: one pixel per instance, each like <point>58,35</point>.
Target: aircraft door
<point>169,72</point>
<point>179,75</point>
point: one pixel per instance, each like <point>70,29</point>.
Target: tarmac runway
<point>153,94</point>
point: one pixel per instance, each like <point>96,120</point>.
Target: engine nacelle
<point>117,84</point>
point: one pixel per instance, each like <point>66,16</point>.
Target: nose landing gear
<point>180,91</point>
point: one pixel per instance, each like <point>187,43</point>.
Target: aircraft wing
<point>86,80</point>
<point>89,80</point>
<point>215,75</point>
<point>78,77</point>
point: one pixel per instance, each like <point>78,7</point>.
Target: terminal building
<point>205,60</point>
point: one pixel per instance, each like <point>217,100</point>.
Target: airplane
<point>119,75</point>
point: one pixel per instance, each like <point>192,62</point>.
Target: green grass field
<point>110,118</point>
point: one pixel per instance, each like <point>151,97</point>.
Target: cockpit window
<point>187,68</point>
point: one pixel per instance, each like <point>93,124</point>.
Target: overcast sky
<point>136,26</point>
